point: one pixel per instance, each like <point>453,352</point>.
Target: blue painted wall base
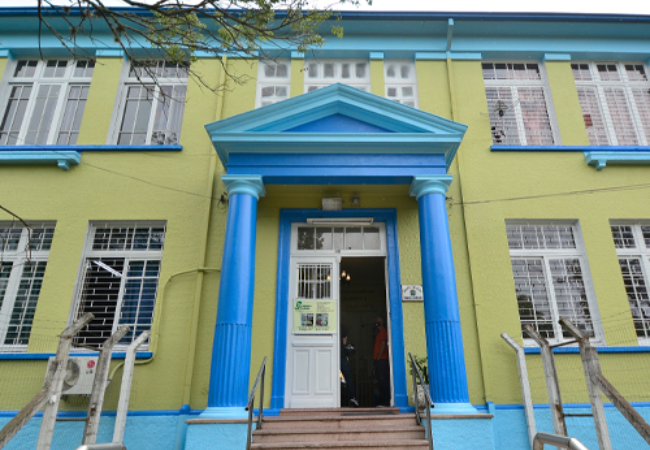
<point>229,436</point>
<point>463,434</point>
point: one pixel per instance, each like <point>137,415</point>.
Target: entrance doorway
<point>363,300</point>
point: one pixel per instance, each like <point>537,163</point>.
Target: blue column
<point>447,376</point>
<point>231,349</point>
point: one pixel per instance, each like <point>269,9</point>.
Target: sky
<point>564,6</point>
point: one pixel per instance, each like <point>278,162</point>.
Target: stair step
<point>337,411</point>
<point>338,421</point>
<point>408,444</point>
<point>315,434</point>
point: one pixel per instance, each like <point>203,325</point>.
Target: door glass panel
<point>314,281</point>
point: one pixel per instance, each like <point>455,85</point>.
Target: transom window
<point>119,280</point>
<point>43,102</point>
<point>401,82</point>
<point>23,260</point>
<point>632,243</point>
<point>548,267</point>
<point>339,238</point>
<point>519,104</point>
<point>273,81</point>
<point>615,101</point>
<point>152,100</point>
<point>319,74</point>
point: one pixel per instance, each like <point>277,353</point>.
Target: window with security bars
<point>43,102</point>
<point>23,260</point>
<point>632,243</point>
<point>339,238</point>
<point>314,281</point>
<point>152,101</point>
<point>548,267</point>
<point>519,104</point>
<point>119,280</point>
<point>319,74</point>
<point>273,81</point>
<point>615,101</point>
<point>401,82</point>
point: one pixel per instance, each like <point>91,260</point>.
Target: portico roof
<point>335,120</point>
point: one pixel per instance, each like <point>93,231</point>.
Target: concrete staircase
<point>341,428</point>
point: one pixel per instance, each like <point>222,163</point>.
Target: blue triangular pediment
<point>337,123</point>
<point>336,119</point>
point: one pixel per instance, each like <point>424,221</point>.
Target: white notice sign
<point>412,293</point>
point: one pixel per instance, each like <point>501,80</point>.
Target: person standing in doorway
<point>345,368</point>
<point>380,355</point>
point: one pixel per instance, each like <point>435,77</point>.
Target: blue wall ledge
<point>44,356</point>
<point>619,149</point>
<point>600,159</point>
<point>184,411</point>
<point>576,350</point>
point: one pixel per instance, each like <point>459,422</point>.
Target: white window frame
<point>65,82</point>
<point>19,257</point>
<point>400,83</point>
<point>140,255</point>
<point>264,82</point>
<point>546,254</point>
<point>381,251</point>
<point>626,85</point>
<point>641,252</point>
<point>320,81</point>
<point>126,81</point>
<point>513,84</point>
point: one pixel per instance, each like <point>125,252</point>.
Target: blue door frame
<point>387,216</point>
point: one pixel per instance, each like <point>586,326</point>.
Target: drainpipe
<point>454,117</point>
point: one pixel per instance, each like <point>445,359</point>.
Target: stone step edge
<point>297,418</point>
<point>293,411</point>
<point>275,431</point>
<point>376,444</point>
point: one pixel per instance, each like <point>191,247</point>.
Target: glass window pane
<point>323,238</point>
<point>371,239</point>
<point>305,238</point>
<point>353,239</point>
<point>339,239</point>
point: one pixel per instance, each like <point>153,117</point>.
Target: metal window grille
<point>153,102</point>
<point>273,82</point>
<point>45,102</point>
<point>401,82</point>
<point>518,104</point>
<point>314,281</point>
<point>23,261</point>
<point>547,267</point>
<point>632,242</point>
<point>119,282</point>
<point>615,101</point>
<point>319,74</point>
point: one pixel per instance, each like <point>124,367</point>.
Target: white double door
<point>313,343</point>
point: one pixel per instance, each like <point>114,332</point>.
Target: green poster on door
<point>314,316</point>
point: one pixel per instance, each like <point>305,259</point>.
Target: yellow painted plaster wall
<point>166,186</point>
<point>297,76</point>
<point>377,77</point>
<point>493,187</point>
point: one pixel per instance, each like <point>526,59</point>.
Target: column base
<point>453,408</point>
<point>215,412</point>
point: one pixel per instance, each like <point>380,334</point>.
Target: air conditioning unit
<point>79,375</point>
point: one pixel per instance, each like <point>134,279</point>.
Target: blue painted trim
<point>63,159</point>
<point>130,413</point>
<point>110,53</point>
<point>297,55</point>
<point>336,169</point>
<point>450,33</point>
<point>91,148</point>
<point>600,159</point>
<point>287,217</point>
<point>244,184</point>
<point>4,53</point>
<point>376,56</point>
<point>576,350</point>
<point>556,57</point>
<point>439,56</point>
<point>570,148</point>
<point>430,184</point>
<point>568,406</point>
<point>45,356</point>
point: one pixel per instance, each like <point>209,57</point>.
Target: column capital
<point>244,184</point>
<point>429,184</point>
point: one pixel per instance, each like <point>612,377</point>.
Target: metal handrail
<point>558,441</point>
<point>415,370</point>
<point>108,446</point>
<point>251,401</point>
